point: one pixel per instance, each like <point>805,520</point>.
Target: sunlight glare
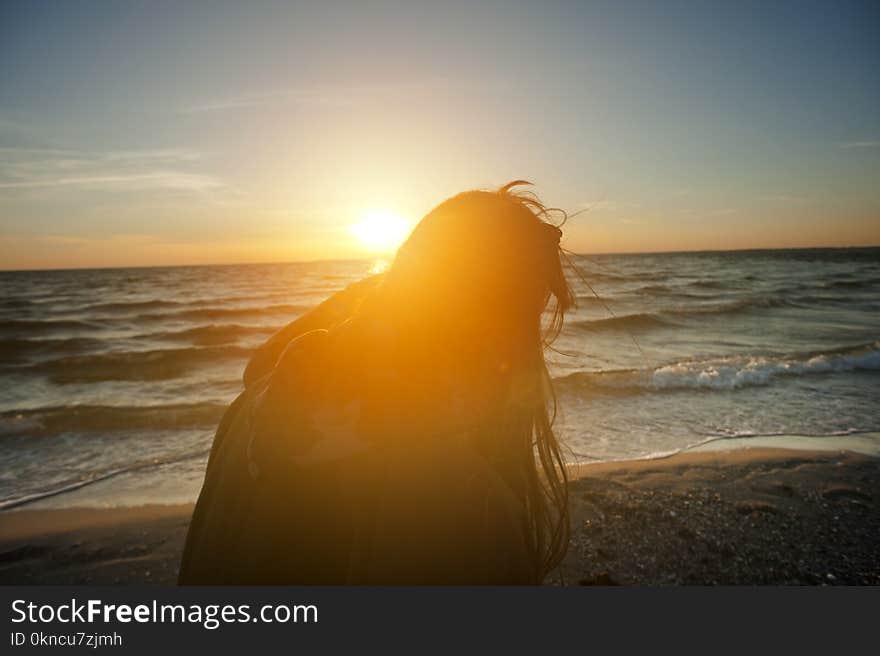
<point>381,230</point>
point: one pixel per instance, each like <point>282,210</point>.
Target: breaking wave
<point>96,477</point>
<point>724,373</point>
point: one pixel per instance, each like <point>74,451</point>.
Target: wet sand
<point>753,516</point>
<point>93,546</point>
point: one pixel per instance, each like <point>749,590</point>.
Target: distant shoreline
<point>745,517</point>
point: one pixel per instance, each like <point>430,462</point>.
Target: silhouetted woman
<point>401,431</point>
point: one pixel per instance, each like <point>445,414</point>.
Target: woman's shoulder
<point>301,351</point>
<point>332,311</point>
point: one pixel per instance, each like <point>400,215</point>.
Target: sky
<point>156,133</point>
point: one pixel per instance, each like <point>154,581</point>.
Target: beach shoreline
<point>738,517</point>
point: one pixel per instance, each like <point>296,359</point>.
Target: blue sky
<point>171,132</point>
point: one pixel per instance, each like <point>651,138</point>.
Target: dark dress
<point>295,493</point>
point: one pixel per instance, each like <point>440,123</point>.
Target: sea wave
<point>159,364</point>
<point>672,317</point>
<point>214,313</point>
<point>15,303</point>
<point>863,283</point>
<point>659,290</point>
<point>723,437</point>
<point>19,327</point>
<point>211,334</point>
<point>606,275</point>
<point>724,373</point>
<point>17,349</point>
<point>704,283</point>
<point>132,306</point>
<point>636,321</point>
<point>96,477</point>
<point>256,301</point>
<point>54,420</point>
<point>729,434</point>
<point>732,307</point>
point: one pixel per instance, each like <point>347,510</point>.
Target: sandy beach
<point>751,516</point>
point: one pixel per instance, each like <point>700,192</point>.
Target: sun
<point>381,230</point>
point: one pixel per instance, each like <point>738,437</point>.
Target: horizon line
<point>391,256</point>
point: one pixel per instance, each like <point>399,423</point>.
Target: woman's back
<point>295,495</point>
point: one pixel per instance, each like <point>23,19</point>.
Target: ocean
<point>112,381</point>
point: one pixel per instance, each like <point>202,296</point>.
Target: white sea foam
<point>735,372</point>
<point>726,373</point>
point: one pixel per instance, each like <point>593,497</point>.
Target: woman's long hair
<point>474,296</point>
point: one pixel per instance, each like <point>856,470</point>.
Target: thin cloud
<point>330,96</point>
<point>38,168</point>
<point>154,180</point>
<point>788,198</point>
<point>606,205</point>
<point>861,144</point>
<point>29,155</point>
<point>596,205</point>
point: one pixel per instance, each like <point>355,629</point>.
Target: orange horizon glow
<point>126,147</point>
